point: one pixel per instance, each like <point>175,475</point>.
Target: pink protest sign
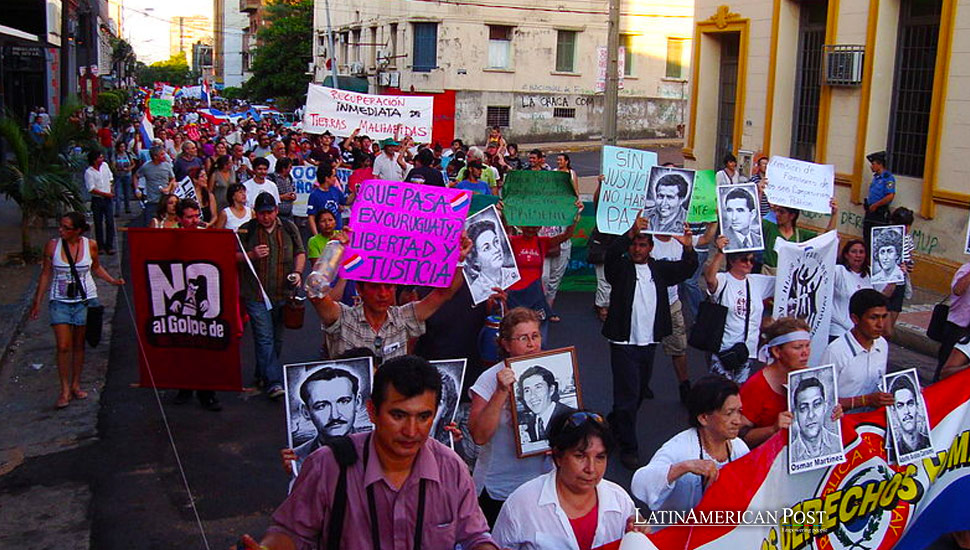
<point>405,233</point>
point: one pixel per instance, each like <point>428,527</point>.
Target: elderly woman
<point>571,507</point>
<point>485,265</point>
<point>788,349</point>
<point>683,468</point>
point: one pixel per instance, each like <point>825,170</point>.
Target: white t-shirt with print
<point>762,288</point>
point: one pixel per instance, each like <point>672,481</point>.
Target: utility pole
<point>333,49</point>
<point>611,95</point>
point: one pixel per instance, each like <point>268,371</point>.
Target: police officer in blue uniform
<point>882,190</point>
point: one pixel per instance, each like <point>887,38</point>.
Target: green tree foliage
<point>39,176</point>
<point>175,71</point>
<point>285,48</point>
<point>233,92</point>
<point>109,102</point>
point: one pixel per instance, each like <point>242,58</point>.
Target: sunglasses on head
<point>577,419</point>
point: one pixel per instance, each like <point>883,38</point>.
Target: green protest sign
<point>160,107</point>
<point>703,202</point>
<point>538,198</point>
<point>481,202</point>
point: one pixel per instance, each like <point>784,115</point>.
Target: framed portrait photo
<point>668,199</point>
<point>491,262</point>
<point>814,439</point>
<point>739,217</point>
<point>887,255</point>
<point>452,373</point>
<point>907,421</point>
<point>546,387</point>
<point>324,400</point>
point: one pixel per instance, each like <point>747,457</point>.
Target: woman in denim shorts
<point>72,291</point>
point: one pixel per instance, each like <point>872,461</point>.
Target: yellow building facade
<point>829,81</point>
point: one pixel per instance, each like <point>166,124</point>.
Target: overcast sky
<point>147,34</point>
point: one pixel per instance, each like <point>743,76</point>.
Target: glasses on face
<point>67,227</point>
<point>577,419</point>
<point>746,260</point>
<point>526,338</point>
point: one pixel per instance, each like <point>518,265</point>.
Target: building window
<point>563,112</point>
<point>355,46</point>
<point>566,51</point>
<point>344,47</point>
<point>497,116</point>
<point>626,42</point>
<point>393,40</point>
<point>675,58</point>
<point>499,46</point>
<point>425,54</point>
<point>919,31</point>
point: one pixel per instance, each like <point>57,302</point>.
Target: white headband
<point>796,336</point>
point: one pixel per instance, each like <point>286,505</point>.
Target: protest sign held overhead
<point>379,116</point>
<point>623,193</point>
<point>185,189</point>
<point>160,107</point>
<point>799,184</point>
<point>667,198</point>
<point>405,233</point>
<point>703,201</point>
<point>186,298</point>
<point>538,198</point>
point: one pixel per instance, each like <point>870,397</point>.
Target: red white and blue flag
<point>146,130</point>
<point>863,503</point>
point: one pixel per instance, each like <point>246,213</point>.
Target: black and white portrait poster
<point>668,197</point>
<point>547,386</point>
<point>326,399</point>
<point>804,284</point>
<point>490,263</point>
<point>887,255</point>
<point>739,216</point>
<point>452,373</point>
<point>907,419</point>
<point>814,439</point>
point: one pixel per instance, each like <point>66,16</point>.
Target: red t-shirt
<point>529,255</point>
<point>357,177</point>
<point>760,403</point>
<point>585,528</point>
<point>104,135</point>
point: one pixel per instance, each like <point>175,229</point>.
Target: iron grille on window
<point>919,30</point>
<point>808,80</point>
<point>564,112</point>
<point>497,116</point>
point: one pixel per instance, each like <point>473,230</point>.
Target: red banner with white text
<point>186,296</point>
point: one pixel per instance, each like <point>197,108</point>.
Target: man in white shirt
<point>389,165</point>
<point>278,152</point>
<point>99,182</point>
<point>259,183</point>
<point>860,355</point>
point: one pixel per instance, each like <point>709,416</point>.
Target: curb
<point>579,146</point>
<point>6,340</point>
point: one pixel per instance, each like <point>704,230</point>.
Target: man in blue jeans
<point>269,271</point>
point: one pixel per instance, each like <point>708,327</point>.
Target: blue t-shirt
<point>479,187</point>
<point>331,199</point>
<point>882,184</point>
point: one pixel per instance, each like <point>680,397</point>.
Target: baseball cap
<point>265,202</point>
<point>389,142</point>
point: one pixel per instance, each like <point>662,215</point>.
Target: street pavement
<point>103,474</point>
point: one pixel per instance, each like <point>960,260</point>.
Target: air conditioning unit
<point>843,64</point>
<point>343,69</point>
<point>356,68</point>
<point>383,57</point>
<point>391,78</point>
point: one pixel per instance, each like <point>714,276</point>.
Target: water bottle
<point>324,270</point>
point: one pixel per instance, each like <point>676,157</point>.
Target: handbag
<point>293,312</point>
<point>937,327</point>
<point>95,318</point>
<point>708,329</point>
<point>735,357</point>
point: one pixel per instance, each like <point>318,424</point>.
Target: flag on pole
<point>146,130</point>
<point>207,93</point>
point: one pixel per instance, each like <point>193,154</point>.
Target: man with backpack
<point>382,488</point>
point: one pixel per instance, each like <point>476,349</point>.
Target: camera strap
<point>74,274</point>
<point>372,506</point>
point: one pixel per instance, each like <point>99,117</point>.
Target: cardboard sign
<point>703,202</point>
<point>538,198</point>
<point>481,202</point>
<point>799,184</point>
<point>623,193</point>
<point>304,178</point>
<point>160,107</point>
<point>405,233</point>
<point>379,116</point>
<point>185,189</point>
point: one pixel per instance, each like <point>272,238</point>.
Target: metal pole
<point>333,49</point>
<point>611,95</point>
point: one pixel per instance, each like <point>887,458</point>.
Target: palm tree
<point>38,176</point>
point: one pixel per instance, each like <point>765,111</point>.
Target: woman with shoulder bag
<point>743,294</point>
<point>69,263</point>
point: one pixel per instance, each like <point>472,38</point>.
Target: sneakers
<point>684,391</point>
<point>275,391</point>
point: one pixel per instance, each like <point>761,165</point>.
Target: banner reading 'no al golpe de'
<point>340,112</point>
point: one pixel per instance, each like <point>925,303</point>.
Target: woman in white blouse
<point>687,464</point>
<point>572,507</point>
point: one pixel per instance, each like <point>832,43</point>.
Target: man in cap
<point>389,165</point>
<point>882,191</point>
<point>276,254</point>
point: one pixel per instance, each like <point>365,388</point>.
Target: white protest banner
<point>602,62</point>
<point>185,189</point>
<point>799,184</point>
<point>804,284</point>
<point>304,178</point>
<point>341,112</point>
<point>623,193</point>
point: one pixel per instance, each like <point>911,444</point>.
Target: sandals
<point>78,393</point>
<point>62,402</point>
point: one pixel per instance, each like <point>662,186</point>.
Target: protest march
<point>442,405</point>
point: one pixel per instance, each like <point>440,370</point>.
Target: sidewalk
<point>594,145</point>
